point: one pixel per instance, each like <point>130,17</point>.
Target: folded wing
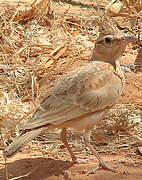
<point>90,88</point>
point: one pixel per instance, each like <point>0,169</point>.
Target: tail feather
<point>22,140</point>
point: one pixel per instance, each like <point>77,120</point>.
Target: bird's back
<point>92,88</point>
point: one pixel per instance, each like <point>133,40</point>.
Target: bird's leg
<point>65,142</point>
<point>102,164</point>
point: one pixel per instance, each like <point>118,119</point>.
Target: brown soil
<point>43,168</point>
<point>57,167</point>
<point>133,86</point>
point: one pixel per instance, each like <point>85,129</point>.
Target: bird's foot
<point>102,165</point>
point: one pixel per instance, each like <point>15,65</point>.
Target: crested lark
<point>82,97</point>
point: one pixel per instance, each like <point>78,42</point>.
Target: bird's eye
<point>107,40</point>
<point>123,38</point>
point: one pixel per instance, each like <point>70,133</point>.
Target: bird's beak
<point>129,39</point>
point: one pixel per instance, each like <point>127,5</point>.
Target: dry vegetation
<point>39,43</point>
<point>37,46</point>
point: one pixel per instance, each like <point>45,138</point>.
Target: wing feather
<point>92,87</point>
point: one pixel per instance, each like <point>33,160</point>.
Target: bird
<point>81,98</point>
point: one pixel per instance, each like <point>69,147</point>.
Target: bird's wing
<point>90,88</point>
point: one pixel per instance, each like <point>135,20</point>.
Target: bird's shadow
<point>36,169</point>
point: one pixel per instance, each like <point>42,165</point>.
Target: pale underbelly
<point>81,124</point>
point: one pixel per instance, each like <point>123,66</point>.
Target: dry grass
<point>36,47</point>
<point>38,44</point>
<point>35,50</point>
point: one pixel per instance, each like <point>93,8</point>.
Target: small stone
<point>126,173</point>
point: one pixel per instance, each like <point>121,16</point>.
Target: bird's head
<point>110,48</point>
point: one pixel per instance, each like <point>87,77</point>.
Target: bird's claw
<point>101,166</point>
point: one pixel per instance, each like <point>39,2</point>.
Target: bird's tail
<point>22,140</point>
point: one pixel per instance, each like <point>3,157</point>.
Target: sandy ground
<point>43,168</point>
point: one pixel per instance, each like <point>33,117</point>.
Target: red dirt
<point>43,168</point>
<point>133,86</point>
